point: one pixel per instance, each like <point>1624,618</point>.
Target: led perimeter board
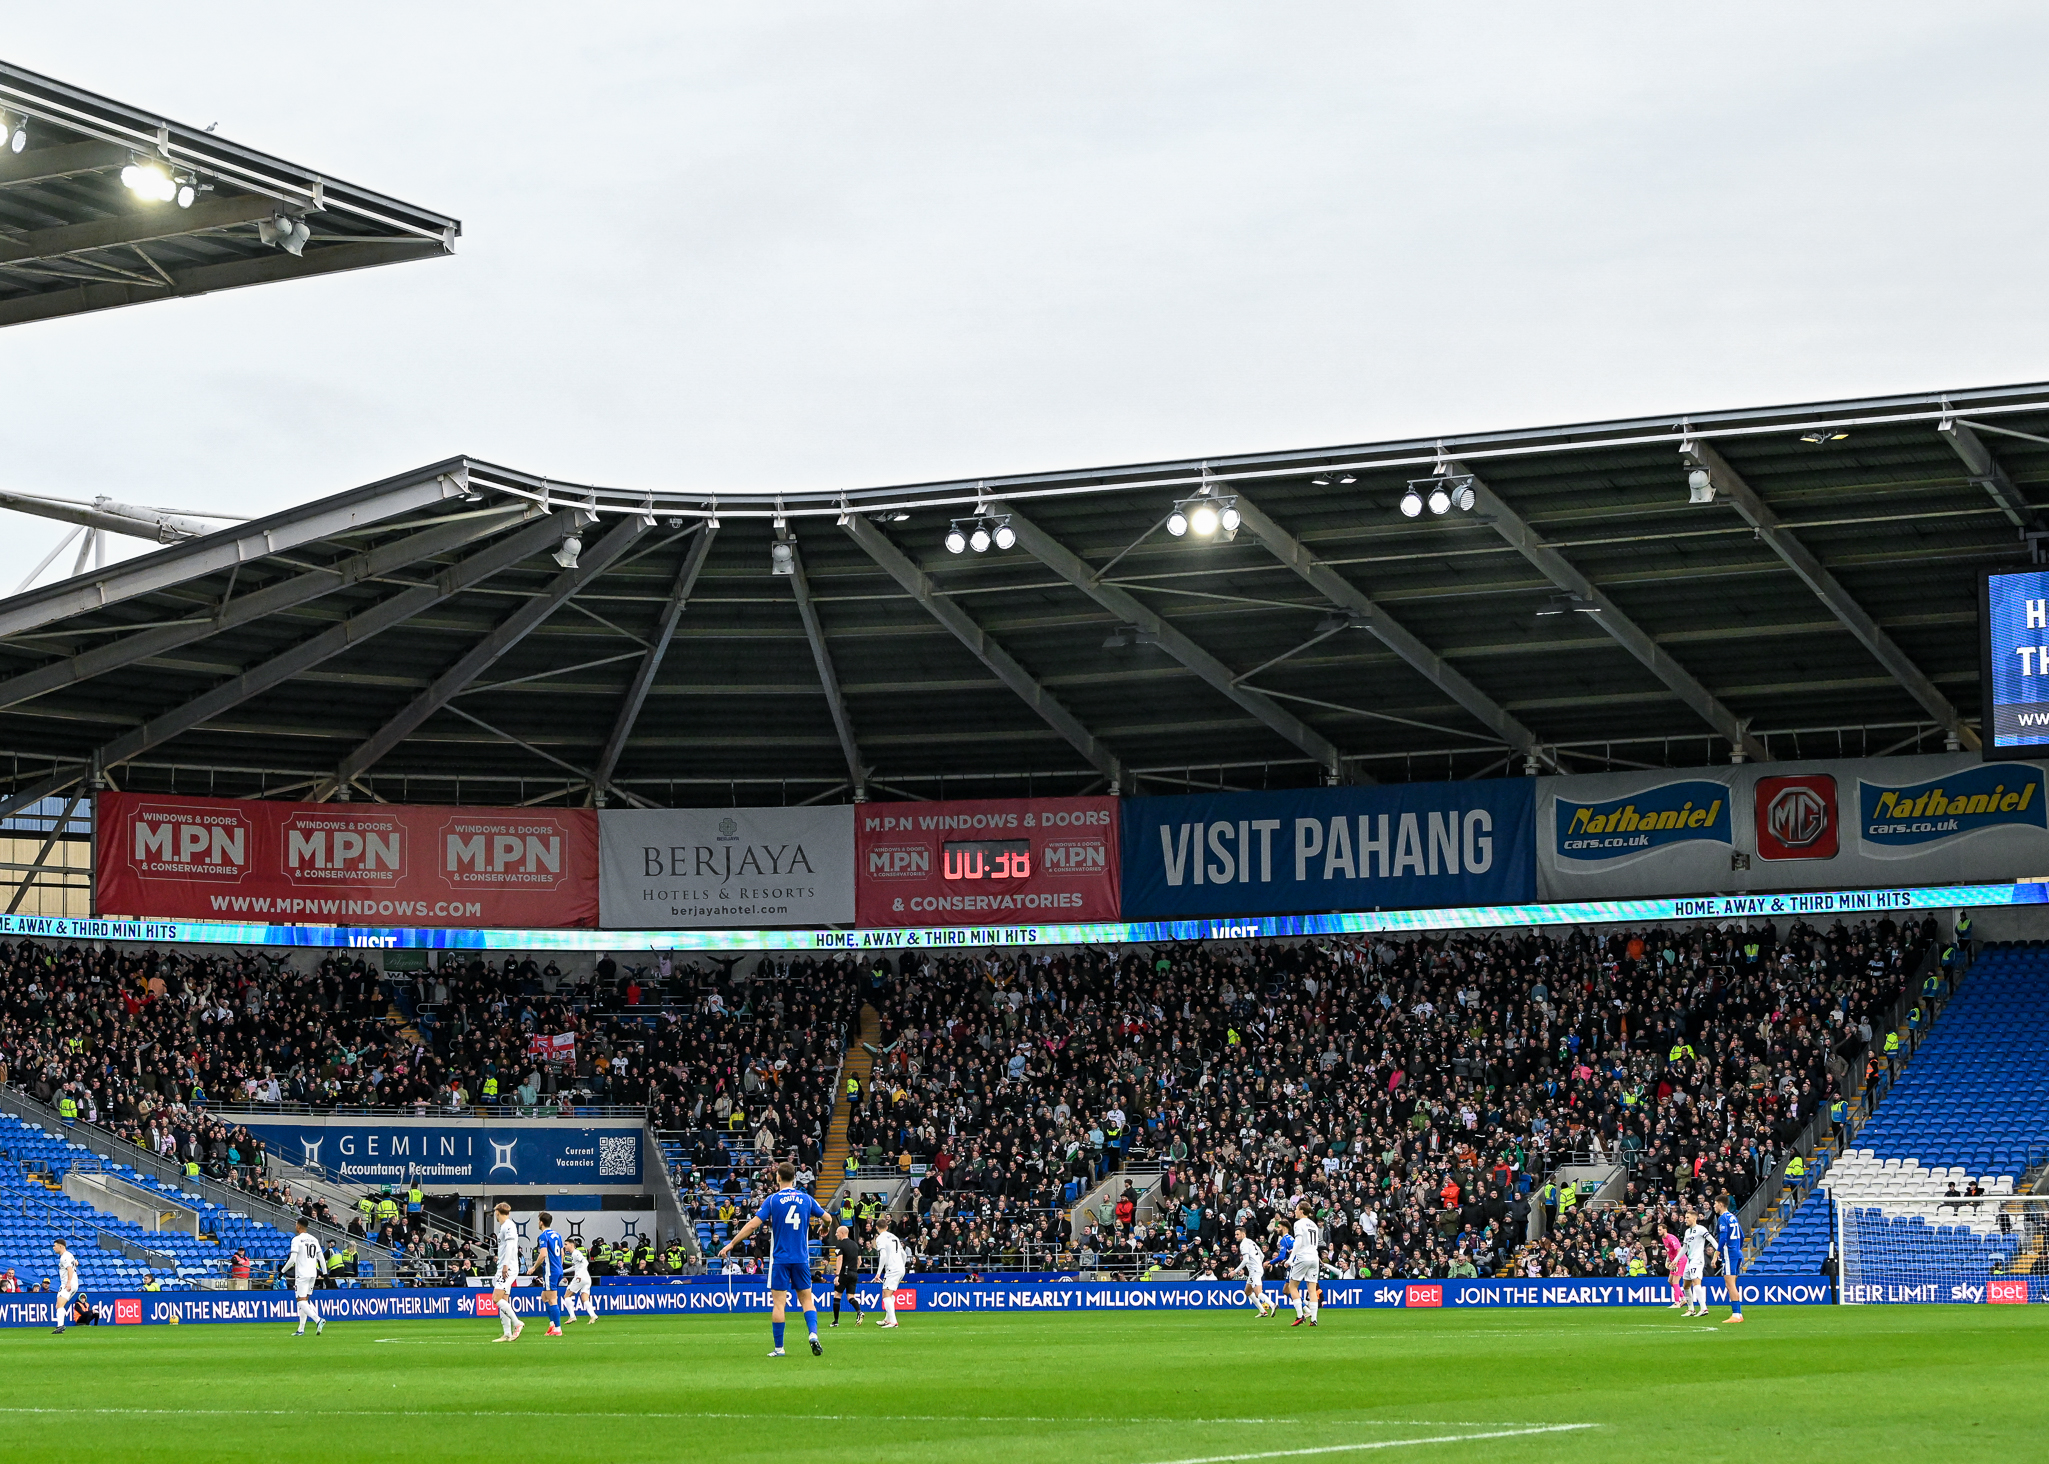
<point>2014,626</point>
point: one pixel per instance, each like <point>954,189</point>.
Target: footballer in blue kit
<point>788,1216</point>
<point>548,1266</point>
<point>1729,1241</point>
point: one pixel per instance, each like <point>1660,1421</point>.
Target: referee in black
<point>847,1262</point>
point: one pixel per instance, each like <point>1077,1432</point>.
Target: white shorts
<point>302,1289</point>
<point>64,1299</point>
<point>502,1285</point>
<point>891,1280</point>
<point>1693,1270</point>
<point>1304,1270</point>
<point>578,1288</point>
<point>1256,1279</point>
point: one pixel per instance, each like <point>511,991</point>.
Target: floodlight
<point>1412,504</point>
<point>1700,486</point>
<point>956,541</point>
<point>1006,536</point>
<point>186,194</point>
<point>1462,498</point>
<point>1177,523</point>
<point>1229,518</point>
<point>565,554</point>
<point>782,559</point>
<point>1203,519</point>
<point>1440,500</point>
<point>979,539</point>
<point>15,131</point>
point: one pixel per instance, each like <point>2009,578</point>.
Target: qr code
<point>618,1156</point>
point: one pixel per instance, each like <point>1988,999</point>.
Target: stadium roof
<point>74,237</point>
<point>426,639</point>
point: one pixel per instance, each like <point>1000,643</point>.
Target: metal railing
<point>501,1112</point>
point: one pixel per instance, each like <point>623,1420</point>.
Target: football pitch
<point>1869,1383</point>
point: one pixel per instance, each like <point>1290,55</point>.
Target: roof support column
<point>651,663</point>
<point>1627,633</point>
<point>1988,474</point>
<point>821,655</point>
<point>918,585</point>
<point>1802,561</point>
<point>1070,567</point>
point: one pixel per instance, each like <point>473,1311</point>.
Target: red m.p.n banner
<point>345,863</point>
<point>1004,861</point>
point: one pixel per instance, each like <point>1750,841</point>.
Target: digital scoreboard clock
<point>2014,624</point>
<point>986,859</point>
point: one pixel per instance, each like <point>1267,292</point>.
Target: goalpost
<point>1920,1244</point>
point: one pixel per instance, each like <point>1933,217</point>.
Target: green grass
<point>1863,1383</point>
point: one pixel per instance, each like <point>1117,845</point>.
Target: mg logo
<point>501,1155</point>
<point>1796,817</point>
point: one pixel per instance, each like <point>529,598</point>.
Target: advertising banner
<point>703,868</point>
<point>1395,847</point>
<point>365,1151</point>
<point>1894,822</point>
<point>2014,619</point>
<point>222,859</point>
<point>986,862</point>
<point>724,1296</point>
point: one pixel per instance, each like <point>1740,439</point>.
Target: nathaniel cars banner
<point>1402,846</point>
<point>989,862</point>
<point>344,863</point>
<point>704,868</point>
<point>1844,824</point>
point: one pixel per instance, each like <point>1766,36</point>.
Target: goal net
<point>1921,1244</point>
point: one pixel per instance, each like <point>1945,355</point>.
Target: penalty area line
<point>1465,1438</point>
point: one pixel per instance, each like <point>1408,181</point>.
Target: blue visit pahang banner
<point>1405,846</point>
<point>366,1151</point>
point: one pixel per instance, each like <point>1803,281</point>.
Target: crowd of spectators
<point>1416,1089</point>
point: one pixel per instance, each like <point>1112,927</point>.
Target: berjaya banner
<point>365,1151</point>
<point>1404,845</point>
<point>1895,821</point>
<point>703,868</point>
<point>987,862</point>
<point>224,859</point>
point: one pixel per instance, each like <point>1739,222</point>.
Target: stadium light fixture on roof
<point>1700,478</point>
<point>979,532</point>
<point>13,131</point>
<point>1440,495</point>
<point>1205,513</point>
<point>284,232</point>
<point>1325,479</point>
<point>1824,434</point>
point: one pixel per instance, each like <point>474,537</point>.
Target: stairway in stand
<point>859,1063</point>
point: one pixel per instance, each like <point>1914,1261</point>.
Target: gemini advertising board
<point>987,862</point>
<point>1896,821</point>
<point>364,1151</point>
<point>345,863</point>
<point>707,868</point>
<point>1409,845</point>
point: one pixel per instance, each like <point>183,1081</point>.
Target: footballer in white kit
<point>1252,1261</point>
<point>509,1324</point>
<point>67,1282</point>
<point>579,1282</point>
<point>305,1262</point>
<point>1305,1267</point>
<point>891,1261</point>
<point>1695,1243</point>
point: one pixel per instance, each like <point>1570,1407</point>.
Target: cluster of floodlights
<point>158,181</point>
<point>979,532</point>
<point>1439,495</point>
<point>1205,515</point>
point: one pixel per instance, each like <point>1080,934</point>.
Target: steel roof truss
<point>828,678</point>
<point>1804,564</point>
<point>515,628</point>
<point>1988,474</point>
<point>1007,669</point>
<point>1070,567</point>
<point>1489,507</point>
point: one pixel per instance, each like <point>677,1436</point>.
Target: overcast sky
<point>781,245</point>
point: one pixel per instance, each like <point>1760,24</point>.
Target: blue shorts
<point>790,1276</point>
<point>554,1281</point>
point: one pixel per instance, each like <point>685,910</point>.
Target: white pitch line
<point>1508,1433</point>
<point>836,1418</point>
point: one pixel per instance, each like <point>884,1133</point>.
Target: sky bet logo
<point>1942,808</point>
<point>1672,813</point>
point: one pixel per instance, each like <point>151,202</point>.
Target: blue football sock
<point>555,1310</point>
<point>777,1328</point>
<point>811,1322</point>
